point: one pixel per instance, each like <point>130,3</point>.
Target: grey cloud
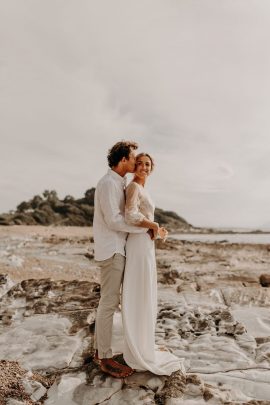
<point>189,81</point>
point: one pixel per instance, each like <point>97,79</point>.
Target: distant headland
<point>49,209</point>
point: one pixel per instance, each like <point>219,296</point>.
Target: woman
<point>139,294</point>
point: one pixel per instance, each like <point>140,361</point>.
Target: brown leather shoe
<point>115,369</point>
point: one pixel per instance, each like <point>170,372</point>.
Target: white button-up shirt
<point>109,227</point>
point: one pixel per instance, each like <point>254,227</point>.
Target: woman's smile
<point>143,166</point>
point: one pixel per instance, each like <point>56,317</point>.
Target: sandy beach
<point>213,312</point>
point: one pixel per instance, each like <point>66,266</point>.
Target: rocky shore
<point>213,312</point>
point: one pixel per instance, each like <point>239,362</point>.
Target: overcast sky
<point>189,80</point>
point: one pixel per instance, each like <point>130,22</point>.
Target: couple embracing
<point>124,233</point>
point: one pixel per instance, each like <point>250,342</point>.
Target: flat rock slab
<point>131,396</point>
<point>72,389</point>
<point>255,319</point>
<point>40,342</point>
<point>62,391</point>
<point>248,296</point>
<point>242,384</point>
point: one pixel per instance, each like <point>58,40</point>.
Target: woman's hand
<point>156,231</point>
<point>163,233</point>
<point>153,230</point>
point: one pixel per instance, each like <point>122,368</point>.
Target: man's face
<point>130,162</point>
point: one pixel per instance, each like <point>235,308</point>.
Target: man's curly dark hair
<point>119,151</point>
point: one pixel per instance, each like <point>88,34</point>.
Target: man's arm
<point>109,200</point>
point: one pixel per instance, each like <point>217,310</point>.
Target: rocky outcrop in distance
<point>48,209</point>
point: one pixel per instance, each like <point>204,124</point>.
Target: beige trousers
<point>111,277</point>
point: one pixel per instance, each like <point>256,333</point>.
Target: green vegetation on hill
<point>48,209</point>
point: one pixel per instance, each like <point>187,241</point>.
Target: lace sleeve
<point>132,214</point>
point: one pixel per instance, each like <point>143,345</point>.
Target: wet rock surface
<point>213,312</point>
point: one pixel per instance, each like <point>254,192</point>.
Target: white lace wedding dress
<point>139,293</point>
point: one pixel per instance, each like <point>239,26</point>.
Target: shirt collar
<point>116,176</point>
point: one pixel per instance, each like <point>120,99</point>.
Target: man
<point>110,233</point>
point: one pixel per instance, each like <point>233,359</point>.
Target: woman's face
<point>143,167</point>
